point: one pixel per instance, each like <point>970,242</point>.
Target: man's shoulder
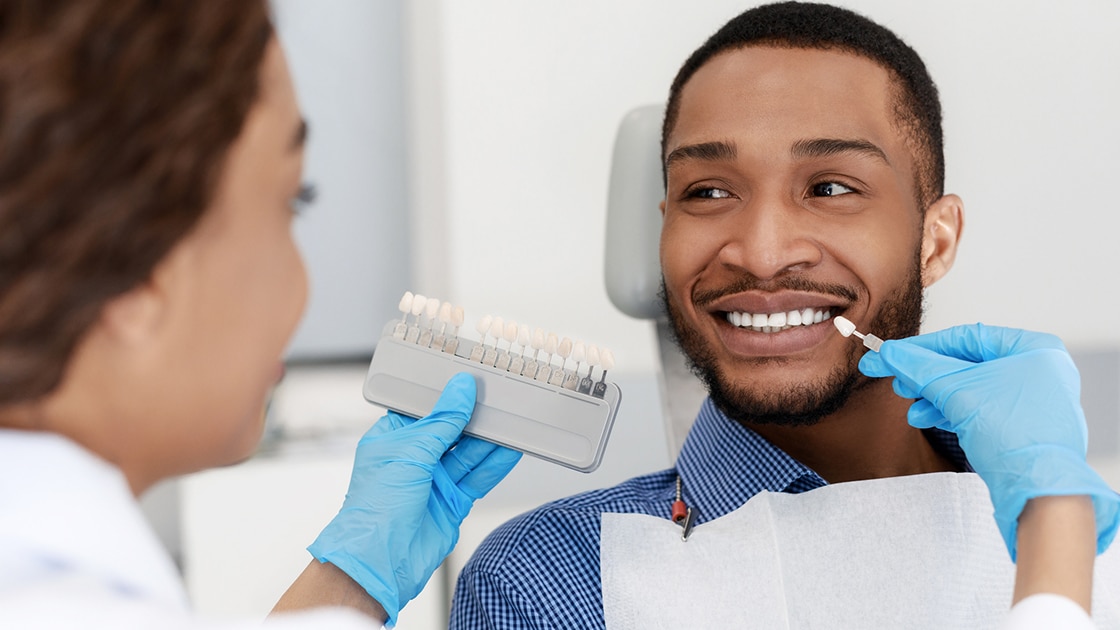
<point>569,525</point>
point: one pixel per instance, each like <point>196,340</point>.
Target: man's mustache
<point>748,282</point>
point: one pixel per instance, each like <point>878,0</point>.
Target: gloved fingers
<point>465,455</point>
<point>391,421</point>
<point>488,472</point>
<point>923,415</point>
<point>902,390</point>
<point>915,367</point>
<point>451,412</point>
<point>977,342</point>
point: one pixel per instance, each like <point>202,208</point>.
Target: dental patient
<point>803,160</point>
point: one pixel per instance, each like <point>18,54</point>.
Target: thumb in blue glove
<point>411,487</point>
<point>1013,399</point>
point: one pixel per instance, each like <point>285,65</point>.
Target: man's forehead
<point>827,93</point>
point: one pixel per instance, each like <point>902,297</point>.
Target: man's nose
<point>770,236</point>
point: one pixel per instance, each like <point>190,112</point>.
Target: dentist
<point>150,165</point>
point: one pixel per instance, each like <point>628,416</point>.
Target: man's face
<point>790,189</point>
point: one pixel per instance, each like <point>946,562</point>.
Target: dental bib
<point>905,552</point>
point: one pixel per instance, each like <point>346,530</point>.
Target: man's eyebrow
<point>825,147</point>
<point>708,151</point>
<point>299,138</point>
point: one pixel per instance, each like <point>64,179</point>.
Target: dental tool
<point>431,310</point>
<point>418,304</point>
<point>606,359</point>
<point>544,371</point>
<point>847,328</point>
<point>457,319</point>
<point>524,400</point>
<point>586,383</point>
<point>564,350</point>
<point>579,353</point>
<point>517,365</point>
<point>405,307</point>
<point>444,317</point>
<point>482,327</point>
<point>509,333</point>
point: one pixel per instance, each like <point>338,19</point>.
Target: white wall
<point>530,94</point>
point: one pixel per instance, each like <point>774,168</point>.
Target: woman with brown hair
<point>150,159</point>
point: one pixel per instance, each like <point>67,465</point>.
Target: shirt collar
<point>67,508</point>
<point>719,449</point>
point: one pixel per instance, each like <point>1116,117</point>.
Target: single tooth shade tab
<point>445,313</point>
<point>406,302</point>
<point>538,339</point>
<point>551,343</point>
<point>523,336</point>
<point>418,304</point>
<point>844,325</point>
<point>483,325</point>
<point>565,348</point>
<point>432,308</point>
<point>606,358</point>
<point>510,332</point>
<point>497,328</point>
<point>579,352</point>
<point>593,355</point>
<point>458,316</point>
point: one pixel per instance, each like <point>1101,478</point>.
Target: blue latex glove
<point>1013,399</point>
<point>409,492</point>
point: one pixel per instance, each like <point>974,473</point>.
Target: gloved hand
<point>1013,399</point>
<point>409,492</point>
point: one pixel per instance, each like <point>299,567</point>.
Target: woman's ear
<point>134,316</point>
<point>941,232</point>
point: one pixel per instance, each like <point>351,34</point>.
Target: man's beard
<point>805,403</point>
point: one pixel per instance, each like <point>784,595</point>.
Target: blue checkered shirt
<point>541,569</point>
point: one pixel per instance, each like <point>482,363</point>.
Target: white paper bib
<point>905,552</point>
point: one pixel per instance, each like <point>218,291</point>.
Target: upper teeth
<point>775,322</point>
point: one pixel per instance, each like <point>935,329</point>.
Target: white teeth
<point>777,322</point>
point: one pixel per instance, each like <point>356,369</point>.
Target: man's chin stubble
<point>799,404</point>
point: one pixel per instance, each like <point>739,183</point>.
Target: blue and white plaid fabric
<point>541,569</point>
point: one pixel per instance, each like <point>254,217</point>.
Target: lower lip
<point>751,343</point>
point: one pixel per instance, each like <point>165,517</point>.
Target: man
<point>804,170</point>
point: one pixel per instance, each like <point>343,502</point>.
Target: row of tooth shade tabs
<point>531,353</point>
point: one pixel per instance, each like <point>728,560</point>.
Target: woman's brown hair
<point>115,120</point>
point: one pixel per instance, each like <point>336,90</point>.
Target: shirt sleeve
<point>1045,611</point>
<point>483,600</point>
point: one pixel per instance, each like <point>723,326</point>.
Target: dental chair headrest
<point>633,267</point>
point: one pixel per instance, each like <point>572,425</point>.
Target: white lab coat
<point>76,552</point>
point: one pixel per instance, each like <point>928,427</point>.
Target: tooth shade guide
<point>404,306</point>
<point>438,324</point>
<point>847,328</point>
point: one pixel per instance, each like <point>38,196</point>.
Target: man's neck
<point>866,439</point>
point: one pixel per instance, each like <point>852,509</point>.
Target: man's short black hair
<point>825,27</point>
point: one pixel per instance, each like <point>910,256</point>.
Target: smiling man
<point>803,166</point>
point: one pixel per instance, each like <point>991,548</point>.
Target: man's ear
<point>941,233</point>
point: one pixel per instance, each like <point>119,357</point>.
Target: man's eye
<point>709,193</point>
<point>830,189</point>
